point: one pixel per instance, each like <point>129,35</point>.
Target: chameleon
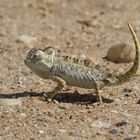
<point>65,70</point>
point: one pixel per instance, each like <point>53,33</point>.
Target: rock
<point>26,39</point>
<point>113,131</point>
<point>74,134</point>
<point>70,44</point>
<point>62,130</point>
<point>99,124</point>
<point>121,123</point>
<point>9,102</point>
<point>91,23</point>
<point>128,138</point>
<point>65,105</point>
<point>41,132</point>
<point>23,115</point>
<point>50,114</point>
<point>121,53</point>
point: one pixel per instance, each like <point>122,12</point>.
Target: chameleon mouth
<point>26,62</point>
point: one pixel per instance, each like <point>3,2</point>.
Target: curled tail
<point>125,77</point>
<point>130,73</point>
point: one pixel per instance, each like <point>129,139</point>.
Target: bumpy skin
<point>65,70</point>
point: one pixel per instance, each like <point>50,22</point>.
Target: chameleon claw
<point>99,100</point>
<point>48,96</point>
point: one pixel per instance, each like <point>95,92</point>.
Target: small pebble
<point>128,138</point>
<point>70,44</point>
<point>74,134</point>
<point>41,132</point>
<point>27,40</point>
<point>113,131</point>
<point>35,125</point>
<point>121,123</point>
<point>62,130</point>
<point>126,95</point>
<point>99,124</point>
<point>91,23</point>
<point>65,106</point>
<point>50,114</point>
<point>23,115</point>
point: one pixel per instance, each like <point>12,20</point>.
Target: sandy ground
<point>75,115</point>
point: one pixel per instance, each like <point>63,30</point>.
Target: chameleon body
<point>66,71</point>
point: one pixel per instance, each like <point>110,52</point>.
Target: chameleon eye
<point>35,56</point>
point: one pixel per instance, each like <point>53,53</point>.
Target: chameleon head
<point>39,60</point>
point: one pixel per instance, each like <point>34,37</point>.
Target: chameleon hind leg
<point>60,85</point>
<point>97,87</point>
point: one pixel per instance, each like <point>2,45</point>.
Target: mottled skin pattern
<point>65,70</point>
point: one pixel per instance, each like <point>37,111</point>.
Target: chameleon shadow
<point>18,95</point>
<point>79,98</point>
<point>61,97</point>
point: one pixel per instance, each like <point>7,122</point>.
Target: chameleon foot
<point>99,98</point>
<point>60,85</point>
<point>98,92</point>
<point>49,96</point>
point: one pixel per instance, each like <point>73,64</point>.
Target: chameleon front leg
<point>97,87</point>
<point>60,85</point>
